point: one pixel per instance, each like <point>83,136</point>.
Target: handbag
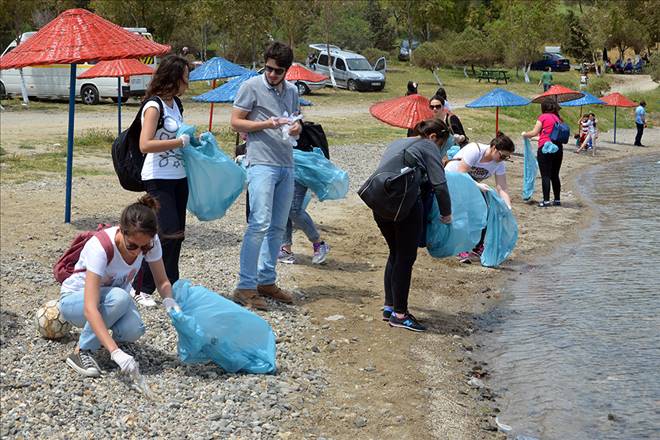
<point>392,194</point>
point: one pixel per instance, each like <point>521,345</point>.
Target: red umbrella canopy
<point>76,36</point>
<point>558,93</point>
<point>404,112</point>
<point>617,100</point>
<point>297,72</point>
<point>114,68</point>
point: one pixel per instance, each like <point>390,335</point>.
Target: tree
<point>470,47</point>
<point>431,55</point>
<point>342,23</point>
<point>380,25</point>
<point>575,42</point>
<point>292,19</point>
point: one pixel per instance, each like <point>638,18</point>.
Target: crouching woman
<point>96,296</point>
<point>403,236</point>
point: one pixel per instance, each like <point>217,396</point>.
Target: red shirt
<point>547,121</point>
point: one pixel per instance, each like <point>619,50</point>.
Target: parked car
<point>554,60</point>
<point>351,70</point>
<point>405,49</point>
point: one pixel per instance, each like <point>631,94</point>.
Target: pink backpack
<point>66,264</point>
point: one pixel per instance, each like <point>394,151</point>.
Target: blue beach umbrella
<point>305,102</point>
<point>587,99</point>
<point>214,69</point>
<point>227,91</point>
<point>498,98</point>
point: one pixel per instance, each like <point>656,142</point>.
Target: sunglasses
<point>435,107</point>
<point>276,70</point>
<point>132,246</point>
<point>503,156</point>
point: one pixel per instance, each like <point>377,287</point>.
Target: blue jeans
<point>117,309</point>
<point>271,192</point>
<point>299,218</point>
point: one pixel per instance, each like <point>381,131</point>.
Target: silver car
<point>351,70</point>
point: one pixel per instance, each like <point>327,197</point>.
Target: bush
<point>598,86</point>
<point>372,54</point>
<point>300,53</point>
<point>653,67</point>
<point>429,55</point>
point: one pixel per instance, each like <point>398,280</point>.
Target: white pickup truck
<point>52,81</point>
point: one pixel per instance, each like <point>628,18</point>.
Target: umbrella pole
<point>118,105</point>
<point>580,112</point>
<point>497,120</point>
<point>615,124</point>
<point>211,113</point>
<point>69,146</point>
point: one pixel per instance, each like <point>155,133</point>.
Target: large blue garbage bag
<point>452,151</point>
<point>214,180</point>
<point>320,175</point>
<point>469,214</point>
<point>213,328</point>
<point>501,231</point>
<point>530,166</point>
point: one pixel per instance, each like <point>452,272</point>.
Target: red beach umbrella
<point>118,68</point>
<point>298,72</point>
<point>617,100</point>
<point>78,36</point>
<point>558,93</point>
<point>404,112</point>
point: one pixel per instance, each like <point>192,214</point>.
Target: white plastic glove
<point>170,304</point>
<point>523,134</point>
<point>126,362</point>
<point>185,139</point>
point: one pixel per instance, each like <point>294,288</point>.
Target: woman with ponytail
<point>481,161</point>
<point>403,236</point>
<point>96,296</point>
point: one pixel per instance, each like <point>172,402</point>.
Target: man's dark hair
<point>642,103</point>
<point>281,53</point>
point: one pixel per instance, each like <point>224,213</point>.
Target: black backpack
<point>312,135</point>
<point>126,155</point>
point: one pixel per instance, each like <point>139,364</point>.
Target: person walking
<point>403,236</point>
<point>260,109</point>
<point>546,79</point>
<point>96,298</point>
<point>640,122</point>
<point>549,163</point>
<point>163,173</point>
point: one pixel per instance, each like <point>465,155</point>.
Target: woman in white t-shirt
<point>163,173</point>
<point>96,298</point>
<point>481,161</point>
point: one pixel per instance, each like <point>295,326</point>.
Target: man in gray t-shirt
<point>260,110</point>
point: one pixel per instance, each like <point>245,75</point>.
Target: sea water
<point>574,351</point>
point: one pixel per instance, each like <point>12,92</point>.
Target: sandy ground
<point>404,385</point>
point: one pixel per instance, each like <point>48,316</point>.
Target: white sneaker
<point>320,252</point>
<point>144,299</point>
<point>286,257</point>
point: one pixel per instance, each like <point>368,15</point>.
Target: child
<point>96,296</point>
<point>583,123</point>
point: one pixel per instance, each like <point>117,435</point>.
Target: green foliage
<point>430,55</point>
<point>381,26</point>
<point>470,47</point>
<point>342,24</point>
<point>372,54</point>
<point>575,42</point>
<point>598,86</point>
<point>653,68</point>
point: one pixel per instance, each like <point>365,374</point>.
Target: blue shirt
<point>640,115</point>
<point>263,101</point>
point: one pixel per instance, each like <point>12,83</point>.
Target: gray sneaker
<point>320,252</point>
<point>83,362</point>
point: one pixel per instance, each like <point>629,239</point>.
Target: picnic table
<point>495,74</point>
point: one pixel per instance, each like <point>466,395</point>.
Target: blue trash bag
<point>469,214</point>
<point>320,175</point>
<point>501,231</point>
<point>213,328</point>
<point>530,165</point>
<point>452,151</point>
<point>214,179</point>
<point>549,148</point>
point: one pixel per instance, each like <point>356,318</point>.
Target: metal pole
<point>497,120</point>
<point>69,146</point>
<point>211,113</point>
<point>615,124</point>
<point>118,105</point>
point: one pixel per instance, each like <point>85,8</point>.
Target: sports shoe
<point>320,252</point>
<point>544,204</point>
<point>387,312</point>
<point>271,290</point>
<point>464,257</point>
<point>477,251</point>
<point>408,322</point>
<point>286,257</point>
<point>83,362</point>
<point>144,299</point>
<point>556,202</point>
<point>250,298</point>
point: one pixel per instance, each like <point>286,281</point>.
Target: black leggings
<point>549,165</point>
<point>173,197</point>
<point>402,238</point>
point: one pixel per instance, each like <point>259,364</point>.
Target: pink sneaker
<point>464,257</point>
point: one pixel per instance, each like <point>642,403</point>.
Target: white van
<point>351,70</point>
<point>52,81</point>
